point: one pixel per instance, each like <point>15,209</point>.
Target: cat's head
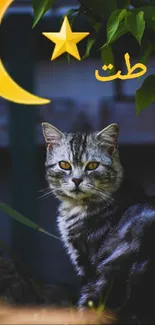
<point>82,166</point>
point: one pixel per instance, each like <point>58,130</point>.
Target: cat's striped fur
<point>102,228</point>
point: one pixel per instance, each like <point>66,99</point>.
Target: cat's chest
<point>71,225</point>
<point>83,232</point>
<point>72,216</point>
<point>69,221</point>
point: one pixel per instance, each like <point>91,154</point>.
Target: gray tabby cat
<point>102,228</point>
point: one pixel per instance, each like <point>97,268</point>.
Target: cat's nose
<point>77,181</point>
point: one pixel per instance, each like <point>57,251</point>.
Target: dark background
<point>79,103</point>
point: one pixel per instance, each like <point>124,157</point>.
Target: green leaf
<point>149,14</point>
<point>113,23</point>
<point>68,14</point>
<point>147,50</point>
<point>19,217</point>
<point>90,44</point>
<point>107,57</point>
<point>40,7</point>
<point>122,30</point>
<point>145,95</point>
<point>135,23</point>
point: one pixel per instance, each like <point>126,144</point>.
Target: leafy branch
<point>119,17</point>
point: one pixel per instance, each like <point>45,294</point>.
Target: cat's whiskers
<point>108,196</point>
<point>44,189</point>
<point>103,194</point>
<point>45,195</point>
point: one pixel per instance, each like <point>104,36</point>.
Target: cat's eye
<point>92,165</point>
<point>65,165</point>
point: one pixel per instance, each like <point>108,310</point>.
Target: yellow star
<point>65,40</point>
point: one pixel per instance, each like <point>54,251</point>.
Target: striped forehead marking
<point>78,145</point>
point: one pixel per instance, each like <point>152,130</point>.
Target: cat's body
<point>109,235</point>
<point>117,245</point>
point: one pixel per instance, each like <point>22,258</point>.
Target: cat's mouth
<point>77,191</point>
<point>78,194</point>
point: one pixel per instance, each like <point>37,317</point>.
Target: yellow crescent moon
<point>9,89</point>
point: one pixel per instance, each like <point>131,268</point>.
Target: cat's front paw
<point>88,300</point>
<point>83,302</point>
<point>92,293</point>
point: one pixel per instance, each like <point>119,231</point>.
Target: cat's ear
<point>108,137</point>
<point>51,134</point>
